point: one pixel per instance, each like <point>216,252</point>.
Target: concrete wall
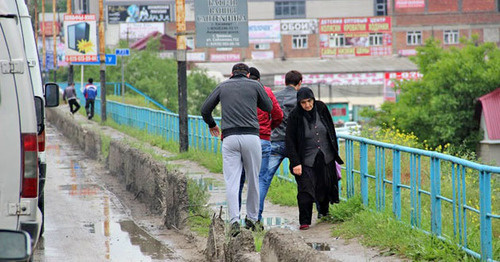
<point>163,191</point>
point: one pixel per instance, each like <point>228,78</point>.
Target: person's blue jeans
<point>266,152</point>
<point>273,154</point>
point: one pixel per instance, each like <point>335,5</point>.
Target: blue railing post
<point>349,165</point>
<point>363,168</point>
<point>396,181</point>
<point>485,205</point>
<point>435,193</point>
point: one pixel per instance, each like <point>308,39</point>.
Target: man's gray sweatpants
<point>238,152</point>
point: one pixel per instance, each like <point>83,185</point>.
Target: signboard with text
<point>139,30</point>
<point>225,58</point>
<point>221,23</point>
<point>337,79</point>
<point>390,78</point>
<point>361,36</point>
<point>409,3</point>
<point>299,27</point>
<point>81,37</point>
<point>46,28</point>
<point>138,13</point>
<point>264,32</point>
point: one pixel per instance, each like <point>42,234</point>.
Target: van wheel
<point>41,205</point>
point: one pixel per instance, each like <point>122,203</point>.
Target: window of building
<point>380,7</point>
<point>290,9</point>
<point>450,37</point>
<point>376,39</point>
<point>263,46</point>
<point>299,41</point>
<point>414,37</point>
<point>336,40</point>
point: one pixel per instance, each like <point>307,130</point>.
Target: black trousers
<point>89,103</point>
<point>317,184</point>
<point>73,103</point>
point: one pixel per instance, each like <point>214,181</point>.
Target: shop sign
<point>138,13</point>
<point>337,79</point>
<point>299,27</point>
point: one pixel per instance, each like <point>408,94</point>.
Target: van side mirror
<point>51,95</point>
<point>14,245</point>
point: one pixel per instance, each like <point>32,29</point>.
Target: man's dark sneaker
<point>235,229</point>
<point>249,224</point>
<point>259,226</point>
<point>321,215</point>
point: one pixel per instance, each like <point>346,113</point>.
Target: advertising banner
<point>261,55</point>
<point>138,13</point>
<point>299,27</point>
<point>225,58</point>
<point>361,36</point>
<point>264,32</point>
<point>81,37</point>
<point>196,56</point>
<point>389,82</point>
<point>337,79</point>
<point>221,23</point>
<point>139,30</point>
<point>409,3</point>
<point>46,28</point>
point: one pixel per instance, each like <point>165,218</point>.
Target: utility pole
<point>70,68</point>
<point>54,37</point>
<point>102,54</point>
<point>180,18</point>
<point>43,39</point>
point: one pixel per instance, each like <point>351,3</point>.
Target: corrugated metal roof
<point>321,66</point>
<point>491,110</point>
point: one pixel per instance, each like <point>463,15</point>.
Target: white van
<point>21,117</point>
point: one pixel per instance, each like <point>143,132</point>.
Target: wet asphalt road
<point>83,221</point>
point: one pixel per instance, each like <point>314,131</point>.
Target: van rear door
<point>10,134</point>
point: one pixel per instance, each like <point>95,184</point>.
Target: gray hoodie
<point>239,98</point>
<point>287,98</point>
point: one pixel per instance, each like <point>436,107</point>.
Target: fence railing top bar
<point>466,163</point>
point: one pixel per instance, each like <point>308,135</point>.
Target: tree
<point>439,108</point>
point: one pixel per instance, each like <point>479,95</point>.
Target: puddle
<point>139,238</point>
<point>319,246</point>
<point>80,189</point>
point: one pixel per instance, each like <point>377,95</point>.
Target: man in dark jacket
<point>287,99</point>
<point>90,94</point>
<point>239,98</point>
<point>267,123</point>
<point>70,96</point>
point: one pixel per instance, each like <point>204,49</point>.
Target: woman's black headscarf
<point>305,93</point>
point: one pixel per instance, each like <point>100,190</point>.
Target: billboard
<point>264,32</point>
<point>46,28</point>
<point>361,36</point>
<point>81,37</point>
<point>221,23</point>
<point>138,13</point>
<point>299,27</point>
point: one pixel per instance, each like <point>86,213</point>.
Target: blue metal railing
<point>419,190</point>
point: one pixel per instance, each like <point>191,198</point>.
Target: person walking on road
<point>90,93</point>
<point>239,98</point>
<point>69,95</point>
<point>311,146</point>
<point>267,123</point>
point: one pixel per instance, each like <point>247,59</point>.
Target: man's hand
<point>214,131</point>
<point>297,170</point>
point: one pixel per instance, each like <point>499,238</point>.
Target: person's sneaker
<point>259,226</point>
<point>249,224</point>
<point>235,229</point>
<point>320,216</point>
<point>304,227</point>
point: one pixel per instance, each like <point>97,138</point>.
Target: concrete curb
<point>162,190</point>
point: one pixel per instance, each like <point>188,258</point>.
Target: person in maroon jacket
<point>267,122</point>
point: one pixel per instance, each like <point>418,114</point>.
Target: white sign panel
<point>196,56</point>
<point>337,79</point>
<point>261,55</point>
<point>139,30</point>
<point>299,27</point>
<point>264,31</point>
<point>81,38</point>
